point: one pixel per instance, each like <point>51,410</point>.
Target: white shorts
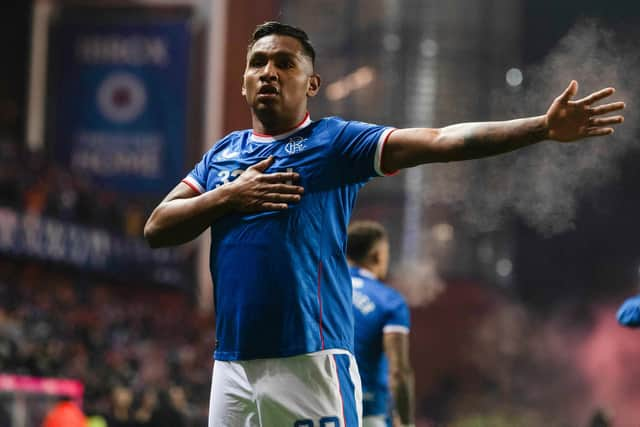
<point>374,421</point>
<point>319,389</point>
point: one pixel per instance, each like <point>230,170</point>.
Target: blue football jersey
<point>629,312</point>
<point>281,280</point>
<point>378,309</point>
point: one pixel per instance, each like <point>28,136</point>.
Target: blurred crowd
<point>33,184</point>
<point>144,355</point>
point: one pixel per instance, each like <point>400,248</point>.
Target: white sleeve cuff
<point>377,161</point>
<point>395,328</point>
<point>195,185</point>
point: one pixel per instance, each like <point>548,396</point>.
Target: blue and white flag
<point>120,100</point>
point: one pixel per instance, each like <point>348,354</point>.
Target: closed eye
<point>257,62</point>
<point>286,64</point>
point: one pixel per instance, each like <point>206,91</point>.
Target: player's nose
<point>269,72</point>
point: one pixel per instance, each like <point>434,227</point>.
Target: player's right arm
<point>401,381</point>
<point>184,213</point>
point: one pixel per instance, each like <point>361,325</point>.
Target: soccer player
<point>381,319</point>
<point>278,198</point>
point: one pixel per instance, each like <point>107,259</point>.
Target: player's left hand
<point>569,120</point>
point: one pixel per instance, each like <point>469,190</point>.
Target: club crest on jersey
<point>294,145</point>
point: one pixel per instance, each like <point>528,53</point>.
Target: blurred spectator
<point>121,410</point>
<point>148,404</point>
<point>166,414</point>
<point>35,185</point>
<point>106,335</point>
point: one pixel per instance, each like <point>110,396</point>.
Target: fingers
<point>268,206</point>
<point>569,92</point>
<point>596,96</point>
<point>270,202</point>
<point>281,193</point>
<point>613,120</point>
<point>280,177</point>
<point>267,197</point>
<point>598,131</point>
<point>281,198</point>
<point>275,202</point>
<point>607,108</point>
<point>285,189</point>
<point>263,165</point>
<point>275,177</point>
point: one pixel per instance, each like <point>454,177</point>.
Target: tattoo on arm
<point>486,139</point>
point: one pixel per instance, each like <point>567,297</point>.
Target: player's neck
<point>267,125</point>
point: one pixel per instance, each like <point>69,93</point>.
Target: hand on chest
<point>294,154</point>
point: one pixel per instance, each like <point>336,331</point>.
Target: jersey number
<point>324,422</point>
<point>225,174</point>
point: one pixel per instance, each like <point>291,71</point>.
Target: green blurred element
<point>96,421</point>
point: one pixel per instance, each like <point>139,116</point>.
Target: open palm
<point>569,120</point>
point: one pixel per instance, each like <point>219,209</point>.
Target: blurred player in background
<point>629,312</point>
<point>381,319</point>
<point>278,198</point>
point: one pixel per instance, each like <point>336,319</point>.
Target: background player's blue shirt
<point>629,312</point>
<point>281,280</point>
<point>377,309</point>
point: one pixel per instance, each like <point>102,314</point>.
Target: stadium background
<point>513,266</point>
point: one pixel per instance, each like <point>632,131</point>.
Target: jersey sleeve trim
<point>195,185</point>
<point>395,328</point>
<point>377,161</point>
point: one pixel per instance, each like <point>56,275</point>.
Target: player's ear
<point>314,85</point>
<point>374,255</point>
<point>243,90</point>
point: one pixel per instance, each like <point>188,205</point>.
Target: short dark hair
<point>274,27</point>
<point>362,236</point>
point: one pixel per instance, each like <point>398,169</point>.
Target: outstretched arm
<point>184,213</point>
<point>401,381</point>
<point>565,121</point>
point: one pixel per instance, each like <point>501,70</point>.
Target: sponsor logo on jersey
<point>229,154</point>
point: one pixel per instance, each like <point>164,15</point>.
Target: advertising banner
<point>93,249</point>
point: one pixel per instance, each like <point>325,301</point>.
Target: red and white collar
<point>259,137</point>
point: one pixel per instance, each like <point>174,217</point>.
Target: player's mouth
<point>268,91</point>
